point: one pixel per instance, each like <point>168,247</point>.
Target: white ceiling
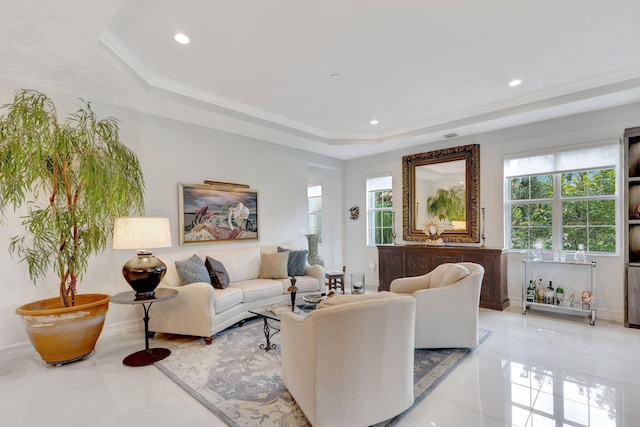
<point>262,68</point>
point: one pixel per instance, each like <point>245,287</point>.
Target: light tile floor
<point>534,371</point>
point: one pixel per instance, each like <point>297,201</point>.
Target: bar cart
<point>578,307</point>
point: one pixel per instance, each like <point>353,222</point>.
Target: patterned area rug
<point>240,383</point>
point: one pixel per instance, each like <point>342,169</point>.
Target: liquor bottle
<point>531,292</point>
<point>560,295</point>
<point>550,294</point>
<point>539,292</point>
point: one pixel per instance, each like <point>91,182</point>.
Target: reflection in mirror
<point>440,195</point>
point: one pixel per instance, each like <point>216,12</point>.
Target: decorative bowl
<point>313,298</point>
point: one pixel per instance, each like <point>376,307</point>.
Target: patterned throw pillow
<point>297,261</point>
<point>192,270</point>
<point>274,266</point>
<point>217,272</point>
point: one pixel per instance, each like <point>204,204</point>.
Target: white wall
<point>173,152</point>
<point>582,128</point>
<point>330,175</point>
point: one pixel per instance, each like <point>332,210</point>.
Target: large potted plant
<point>74,178</point>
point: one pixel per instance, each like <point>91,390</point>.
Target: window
<point>379,211</point>
<point>314,198</point>
<point>562,200</point>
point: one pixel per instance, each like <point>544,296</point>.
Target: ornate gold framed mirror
<point>442,188</point>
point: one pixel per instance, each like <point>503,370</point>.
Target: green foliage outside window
<point>588,202</point>
<point>381,217</point>
<point>531,223</point>
<point>531,187</point>
<point>588,183</point>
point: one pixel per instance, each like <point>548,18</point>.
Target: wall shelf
<point>631,243</point>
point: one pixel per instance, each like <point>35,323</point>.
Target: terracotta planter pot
<point>65,334</point>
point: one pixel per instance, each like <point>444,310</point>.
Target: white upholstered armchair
<point>350,363</point>
<point>447,300</point>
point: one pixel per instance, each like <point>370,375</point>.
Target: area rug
<point>240,383</point>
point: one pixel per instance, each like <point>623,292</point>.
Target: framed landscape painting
<point>215,214</point>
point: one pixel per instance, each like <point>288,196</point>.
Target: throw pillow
<point>297,261</point>
<point>192,270</point>
<point>217,272</point>
<point>274,266</point>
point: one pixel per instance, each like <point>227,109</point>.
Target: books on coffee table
<point>282,308</point>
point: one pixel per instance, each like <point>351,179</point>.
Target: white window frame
<point>573,158</point>
<point>382,182</point>
<point>314,191</point>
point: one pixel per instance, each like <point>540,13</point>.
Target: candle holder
<point>357,283</point>
<point>393,226</point>
<point>484,233</point>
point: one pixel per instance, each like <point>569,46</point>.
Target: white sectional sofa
<point>202,310</point>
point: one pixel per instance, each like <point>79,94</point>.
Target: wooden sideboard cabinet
<point>414,260</point>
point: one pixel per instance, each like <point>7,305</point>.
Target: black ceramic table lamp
<point>144,271</point>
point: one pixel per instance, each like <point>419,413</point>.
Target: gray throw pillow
<point>217,273</point>
<point>297,261</point>
<point>192,270</point>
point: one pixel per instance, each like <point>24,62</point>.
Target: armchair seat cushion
<point>347,299</point>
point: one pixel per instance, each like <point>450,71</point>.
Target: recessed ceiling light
<point>515,82</point>
<point>181,38</point>
<point>373,122</point>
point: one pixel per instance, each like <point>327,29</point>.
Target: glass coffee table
<point>272,316</point>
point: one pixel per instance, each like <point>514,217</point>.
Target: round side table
<point>149,355</point>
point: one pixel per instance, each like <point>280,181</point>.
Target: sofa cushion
<point>192,270</point>
<point>347,299</point>
<point>303,283</point>
<point>297,261</point>
<point>274,266</point>
<point>241,264</point>
<point>258,289</point>
<point>217,273</point>
<point>226,298</point>
<point>447,274</point>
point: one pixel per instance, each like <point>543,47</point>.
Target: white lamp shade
<point>141,233</point>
